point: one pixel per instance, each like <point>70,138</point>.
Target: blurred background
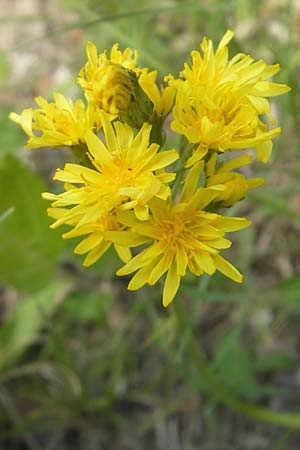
<point>85,364</point>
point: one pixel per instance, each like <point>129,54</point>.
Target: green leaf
<point>289,290</point>
<point>233,365</point>
<point>275,361</point>
<point>29,249</point>
<point>23,327</point>
<point>89,306</point>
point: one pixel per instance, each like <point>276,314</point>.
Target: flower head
<point>128,172</point>
<point>110,82</point>
<point>236,185</point>
<point>182,236</point>
<point>95,244</point>
<point>219,101</point>
<point>58,123</point>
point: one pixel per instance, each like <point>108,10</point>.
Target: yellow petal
<point>92,54</point>
<point>135,263</point>
<point>141,211</point>
<point>25,120</point>
<point>264,151</point>
<point>181,261</point>
<point>205,262</point>
<point>261,104</point>
<point>229,224</point>
<point>268,89</point>
<point>159,269</point>
<point>219,243</point>
<point>124,135</point>
<point>191,181</point>
<point>235,163</point>
<point>171,285</point>
<point>163,159</point>
<point>204,196</point>
<point>141,140</point>
<point>74,173</point>
<point>97,149</point>
<point>124,238</point>
<point>79,231</point>
<point>227,269</point>
<point>211,164</point>
<point>255,182</point>
<point>88,243</point>
<point>123,252</point>
<point>225,39</point>
<point>96,254</point>
<point>198,154</point>
<point>111,139</point>
<point>141,277</point>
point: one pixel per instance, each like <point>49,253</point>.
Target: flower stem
<point>196,354</point>
<point>185,151</point>
<point>80,155</point>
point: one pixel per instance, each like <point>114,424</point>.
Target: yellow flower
<point>235,183</point>
<point>110,82</point>
<point>127,174</point>
<point>95,244</point>
<point>58,123</point>
<point>219,101</point>
<point>183,236</point>
<point>162,98</point>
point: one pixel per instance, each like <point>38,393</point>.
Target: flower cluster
<point>120,190</point>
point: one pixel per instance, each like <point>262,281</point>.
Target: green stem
<point>289,420</point>
<point>80,154</point>
<point>185,151</point>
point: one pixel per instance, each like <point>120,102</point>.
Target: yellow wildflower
<point>127,174</point>
<point>235,183</point>
<point>183,236</point>
<point>219,101</point>
<point>58,123</point>
<point>95,244</point>
<point>109,83</point>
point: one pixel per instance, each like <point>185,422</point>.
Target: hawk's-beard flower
<point>109,82</point>
<point>182,236</point>
<point>235,184</point>
<point>127,173</point>
<point>219,101</point>
<point>118,192</point>
<point>59,123</point>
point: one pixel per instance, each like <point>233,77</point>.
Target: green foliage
<point>29,249</point>
<point>275,361</point>
<point>89,306</point>
<point>288,291</point>
<point>24,325</point>
<point>86,364</point>
<point>233,365</point>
